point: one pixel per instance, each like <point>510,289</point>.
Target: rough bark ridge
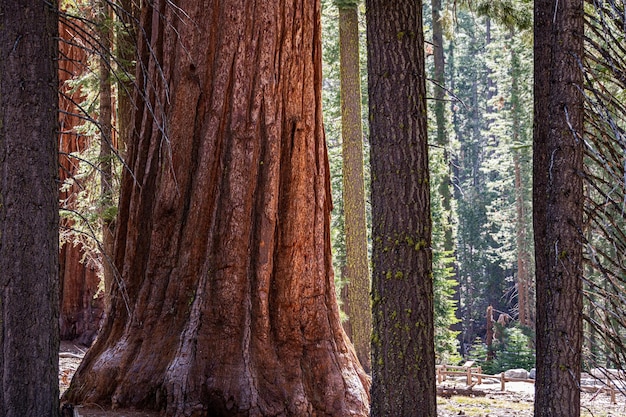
<point>403,357</point>
<point>558,205</point>
<point>357,270</point>
<point>226,304</point>
<point>29,250</point>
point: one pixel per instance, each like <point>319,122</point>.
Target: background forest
<point>480,166</point>
<point>480,163</point>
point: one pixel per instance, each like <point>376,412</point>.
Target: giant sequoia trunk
<point>403,356</point>
<point>29,250</point>
<point>224,303</point>
<point>558,205</point>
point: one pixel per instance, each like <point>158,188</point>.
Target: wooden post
<point>469,375</point>
<point>480,375</point>
<point>502,381</point>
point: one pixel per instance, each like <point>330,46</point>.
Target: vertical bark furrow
<point>29,216</point>
<point>402,288</point>
<point>558,205</point>
<point>236,262</point>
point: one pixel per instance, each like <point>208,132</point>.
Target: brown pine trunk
<point>522,270</point>
<point>558,205</point>
<point>227,305</point>
<point>125,41</point>
<point>105,125</point>
<point>357,271</point>
<point>489,335</point>
<point>29,217</point>
<point>78,276</point>
<point>403,358</point>
<point>440,120</point>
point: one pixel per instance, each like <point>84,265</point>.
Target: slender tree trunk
<point>223,238</point>
<point>558,205</point>
<point>403,359</point>
<point>29,250</point>
<point>357,264</point>
<point>105,124</point>
<point>523,279</point>
<point>125,55</point>
<point>439,69</point>
<point>522,269</point>
<point>440,119</point>
<point>78,275</point>
<point>454,173</point>
<point>489,335</point>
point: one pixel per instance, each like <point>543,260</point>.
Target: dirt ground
<point>517,401</point>
<point>485,400</point>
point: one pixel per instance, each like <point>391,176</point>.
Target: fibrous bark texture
<point>558,205</point>
<point>357,273</point>
<point>403,359</point>
<point>29,251</point>
<point>225,303</point>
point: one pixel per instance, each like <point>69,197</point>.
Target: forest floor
<point>485,400</point>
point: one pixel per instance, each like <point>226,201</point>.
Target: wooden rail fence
<point>470,372</point>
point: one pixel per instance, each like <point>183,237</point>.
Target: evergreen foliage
<point>85,206</point>
<point>512,351</point>
<point>489,69</point>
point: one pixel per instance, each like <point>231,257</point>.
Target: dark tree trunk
<point>558,205</point>
<point>225,304</point>
<point>403,359</point>
<point>357,271</point>
<point>29,250</point>
<point>78,275</point>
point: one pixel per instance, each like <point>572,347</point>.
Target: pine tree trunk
<point>403,359</point>
<point>522,269</point>
<point>105,125</point>
<point>125,59</point>
<point>227,305</point>
<point>558,205</point>
<point>357,271</point>
<point>489,335</point>
<point>78,275</point>
<point>524,281</point>
<point>440,120</point>
<point>29,219</point>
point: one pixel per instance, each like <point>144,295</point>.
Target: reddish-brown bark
<point>79,280</point>
<point>225,302</point>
